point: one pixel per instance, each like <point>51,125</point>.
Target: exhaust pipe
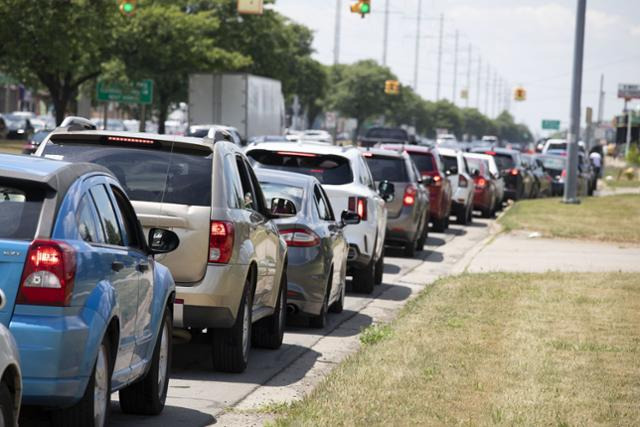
<point>291,309</point>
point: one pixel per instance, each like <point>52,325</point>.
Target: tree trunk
<point>60,103</point>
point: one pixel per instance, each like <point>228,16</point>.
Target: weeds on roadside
<point>375,333</point>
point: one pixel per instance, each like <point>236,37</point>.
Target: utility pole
<point>468,77</point>
<point>455,68</point>
<point>336,40</point>
<point>478,82</point>
<point>417,64</point>
<point>496,103</point>
<point>570,185</point>
<point>439,58</point>
<point>486,94</point>
<point>386,33</point>
<point>601,101</point>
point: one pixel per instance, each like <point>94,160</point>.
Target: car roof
<point>382,152</point>
<point>410,148</point>
<point>305,147</point>
<point>446,151</point>
<point>55,174</point>
<point>292,178</point>
<point>498,150</point>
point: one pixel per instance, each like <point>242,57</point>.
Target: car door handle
<point>117,266</point>
<point>143,267</point>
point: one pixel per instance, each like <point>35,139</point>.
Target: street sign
<point>138,93</point>
<point>551,124</point>
<point>251,7</point>
<point>628,91</point>
<point>330,120</point>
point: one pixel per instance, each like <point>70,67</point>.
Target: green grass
<point>507,349</point>
<point>610,218</point>
<point>11,146</point>
<point>619,179</point>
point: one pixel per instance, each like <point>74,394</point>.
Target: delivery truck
<point>254,105</point>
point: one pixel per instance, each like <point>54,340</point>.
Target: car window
<point>88,223</point>
<point>450,162</point>
<point>108,219</point>
<point>281,190</point>
<point>20,207</point>
<point>389,168</point>
<point>328,169</point>
<point>423,161</point>
<point>129,219</point>
<point>232,183</point>
<point>327,201</point>
<point>257,190</point>
<point>248,194</point>
<point>323,210</point>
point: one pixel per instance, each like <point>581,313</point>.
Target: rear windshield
<point>389,168</point>
<point>147,174</point>
<point>387,134</point>
<point>503,160</point>
<point>424,162</point>
<point>556,163</point>
<point>272,190</point>
<point>20,207</point>
<point>481,165</point>
<point>328,169</point>
<point>450,162</point>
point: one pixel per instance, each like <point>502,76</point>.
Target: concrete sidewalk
<point>525,252</point>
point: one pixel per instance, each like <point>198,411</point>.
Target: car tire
<point>338,305</point>
<point>424,235</point>
<point>462,216</point>
<point>7,406</point>
<point>410,249</point>
<point>364,279</point>
<point>88,411</point>
<point>319,321</point>
<point>379,269</point>
<point>440,224</point>
<point>269,332</point>
<point>230,346</point>
<point>148,395</point>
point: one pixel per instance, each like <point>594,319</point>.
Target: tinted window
<point>148,174</point>
<point>272,190</point>
<point>324,212</point>
<point>20,207</point>
<point>232,183</point>
<point>556,163</point>
<point>450,162</point>
<point>387,134</point>
<point>328,169</point>
<point>504,161</point>
<point>478,164</point>
<point>250,199</point>
<point>129,218</point>
<point>389,168</point>
<point>424,162</point>
<point>88,227</point>
<point>108,217</point>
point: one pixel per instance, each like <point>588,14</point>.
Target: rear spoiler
<point>75,123</point>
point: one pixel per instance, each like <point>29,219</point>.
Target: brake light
<point>564,173</point>
<point>221,242</point>
<point>436,181</point>
<point>481,182</point>
<point>359,206</point>
<point>133,140</point>
<point>367,154</point>
<point>300,238</point>
<point>515,172</point>
<point>491,153</point>
<point>409,196</point>
<point>292,153</point>
<point>462,181</point>
<point>48,275</point>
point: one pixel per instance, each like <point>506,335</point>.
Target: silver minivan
<point>230,269</point>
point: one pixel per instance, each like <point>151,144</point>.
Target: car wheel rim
<point>282,313</point>
<point>100,392</point>
<point>245,332</point>
<point>163,360</point>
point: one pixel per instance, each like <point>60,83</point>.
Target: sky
<point>527,43</point>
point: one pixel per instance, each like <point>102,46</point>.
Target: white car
<point>447,140</point>
<point>498,177</point>
<point>555,144</point>
<point>216,132</point>
<point>11,384</point>
<point>317,136</point>
<point>347,180</point>
<point>462,185</point>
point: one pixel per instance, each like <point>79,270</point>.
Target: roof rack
<point>75,123</point>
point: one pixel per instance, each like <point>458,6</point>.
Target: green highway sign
<point>551,124</point>
<point>138,93</point>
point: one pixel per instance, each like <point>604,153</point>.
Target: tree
<point>447,116</point>
<point>359,92</point>
<point>56,44</point>
<point>476,124</point>
<point>164,43</point>
<point>508,130</point>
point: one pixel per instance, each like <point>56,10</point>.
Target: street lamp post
<point>570,185</point>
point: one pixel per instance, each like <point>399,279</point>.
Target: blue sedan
<point>90,309</point>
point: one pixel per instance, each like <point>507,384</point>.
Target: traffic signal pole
<point>336,40</point>
<point>386,33</point>
<point>570,185</point>
<point>439,58</point>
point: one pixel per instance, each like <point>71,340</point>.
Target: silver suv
<point>230,269</point>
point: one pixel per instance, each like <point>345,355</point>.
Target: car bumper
<point>307,276</point>
<point>402,229</point>
<point>437,209</point>
<point>212,302</point>
<point>56,353</point>
<point>482,199</point>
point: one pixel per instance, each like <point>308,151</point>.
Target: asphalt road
<point>199,396</point>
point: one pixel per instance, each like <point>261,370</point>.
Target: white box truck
<point>252,104</point>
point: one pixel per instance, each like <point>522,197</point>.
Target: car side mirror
<point>162,241</point>
<point>282,208</point>
<point>349,218</point>
<point>387,190</point>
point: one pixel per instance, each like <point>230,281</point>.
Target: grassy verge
<point>554,349</point>
<point>618,179</point>
<point>610,218</point>
<point>11,146</point>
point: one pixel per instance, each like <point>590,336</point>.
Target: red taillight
<point>221,242</point>
<point>436,181</point>
<point>564,173</point>
<point>481,182</point>
<point>359,206</point>
<point>409,196</point>
<point>462,181</point>
<point>300,238</point>
<point>515,172</point>
<point>48,275</point>
<point>295,154</point>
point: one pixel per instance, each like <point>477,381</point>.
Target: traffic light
<point>520,94</point>
<point>363,7</point>
<point>127,7</point>
<point>392,87</point>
